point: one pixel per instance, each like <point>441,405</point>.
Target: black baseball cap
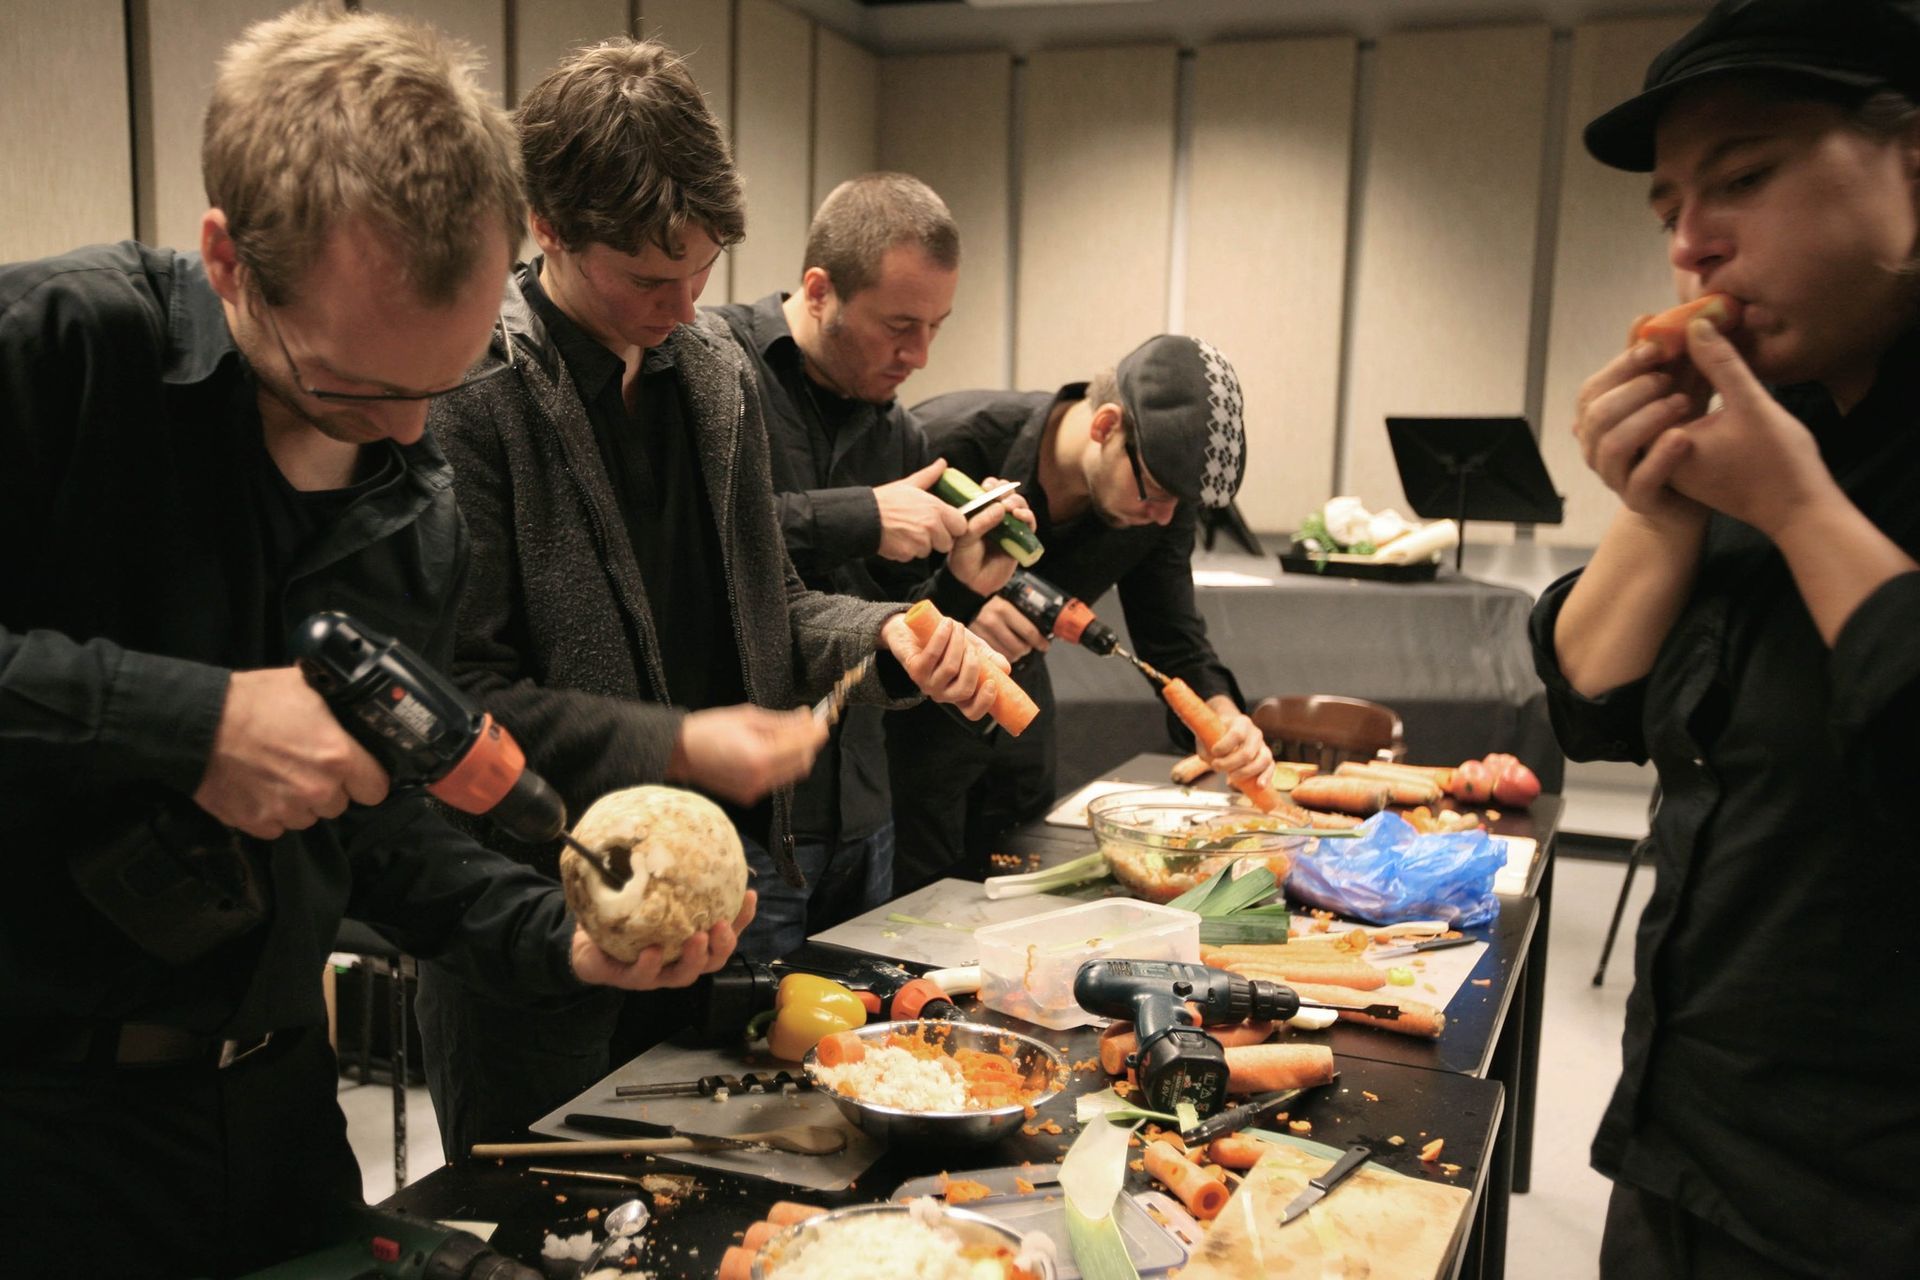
<point>1860,45</point>
<point>1185,410</point>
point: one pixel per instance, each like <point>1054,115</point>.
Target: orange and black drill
<point>1058,615</point>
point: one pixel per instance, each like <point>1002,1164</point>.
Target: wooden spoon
<point>800,1139</point>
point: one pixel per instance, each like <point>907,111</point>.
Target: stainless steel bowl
<point>1037,1061</point>
<point>971,1227</point>
<point>1161,843</point>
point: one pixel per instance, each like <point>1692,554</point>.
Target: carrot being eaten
<point>1203,1194</point>
<point>1668,330</point>
<point>1012,709</point>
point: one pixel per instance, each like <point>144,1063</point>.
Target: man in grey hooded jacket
<point>631,614</point>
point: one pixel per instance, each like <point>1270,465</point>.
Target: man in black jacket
<point>852,473</point>
<point>632,615</point>
<point>202,449</point>
<point>1114,471</point>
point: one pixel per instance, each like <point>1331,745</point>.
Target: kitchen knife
<point>1317,1188</point>
<point>828,708</point>
<point>1410,948</point>
<point>994,494</point>
<point>1253,1112</point>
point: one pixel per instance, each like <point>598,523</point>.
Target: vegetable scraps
<point>1230,909</point>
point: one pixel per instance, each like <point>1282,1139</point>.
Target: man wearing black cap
<point>1748,624</point>
<point>1114,471</point>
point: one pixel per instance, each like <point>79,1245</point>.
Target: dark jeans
<point>176,1170</point>
<point>495,1064</point>
<point>1649,1237</point>
<point>956,790</point>
<point>843,880</point>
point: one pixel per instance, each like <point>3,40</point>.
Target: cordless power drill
<point>423,729</point>
<point>1058,615</point>
<point>387,1246</point>
<point>1177,1061</point>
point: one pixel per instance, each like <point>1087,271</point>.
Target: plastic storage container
<point>1027,966</point>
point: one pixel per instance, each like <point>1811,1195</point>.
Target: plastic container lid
<point>1027,966</point>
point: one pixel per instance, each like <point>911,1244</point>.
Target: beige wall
<point>1096,204</point>
<point>66,158</point>
<point>701,31</point>
<point>545,33</point>
<point>1266,251</point>
<point>944,119</point>
<point>1610,266</point>
<point>1448,223</point>
<point>480,23</point>
<point>773,89</point>
<point>846,97</point>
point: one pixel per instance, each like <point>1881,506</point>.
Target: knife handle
<point>1346,1164</point>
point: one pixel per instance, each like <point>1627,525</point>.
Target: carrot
<point>1189,770</point>
<point>787,1212</point>
<point>1205,725</point>
<point>1236,1151</point>
<point>1264,1068</point>
<point>1012,709</point>
<point>1401,789</point>
<point>736,1263</point>
<point>1669,328</point>
<point>1203,1196</point>
<point>840,1047</point>
<point>1348,795</point>
<point>1357,974</point>
<point>1118,1040</point>
<point>1416,1019</point>
<point>758,1234</point>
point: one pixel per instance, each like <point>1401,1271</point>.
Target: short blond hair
<point>320,117</point>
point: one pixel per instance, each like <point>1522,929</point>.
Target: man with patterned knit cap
<point>1114,471</point>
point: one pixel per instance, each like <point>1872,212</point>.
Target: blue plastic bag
<point>1393,873</point>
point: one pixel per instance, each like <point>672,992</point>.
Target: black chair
<point>378,958</point>
<point>1639,852</point>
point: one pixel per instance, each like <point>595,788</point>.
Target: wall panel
<point>1610,264</point>
<point>480,23</point>
<point>1449,215</point>
<point>176,68</point>
<point>66,158</point>
<point>846,100</point>
<point>771,117</point>
<point>1095,209</point>
<point>701,31</point>
<point>546,31</point>
<point>944,119</point>
<point>1266,252</point>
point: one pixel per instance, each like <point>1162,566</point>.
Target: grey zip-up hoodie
<point>556,637</point>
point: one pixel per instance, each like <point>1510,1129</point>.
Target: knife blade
<point>1412,948</point>
<point>1245,1116</point>
<point>992,495</point>
<point>1317,1188</point>
<point>828,709</point>
<point>627,1127</point>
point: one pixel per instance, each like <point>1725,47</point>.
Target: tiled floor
<point>1555,1229</point>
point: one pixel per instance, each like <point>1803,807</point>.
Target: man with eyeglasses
<point>201,450</point>
<point>1114,471</point>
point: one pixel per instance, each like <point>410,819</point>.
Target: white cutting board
<point>961,903</point>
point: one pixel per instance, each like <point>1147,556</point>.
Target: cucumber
<point>957,488</point>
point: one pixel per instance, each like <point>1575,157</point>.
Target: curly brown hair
<point>620,149</point>
<point>320,117</point>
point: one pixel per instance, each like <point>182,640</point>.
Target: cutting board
<point>1378,1224</point>
<point>961,904</point>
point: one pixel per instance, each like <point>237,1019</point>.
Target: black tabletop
<point>1372,1102</point>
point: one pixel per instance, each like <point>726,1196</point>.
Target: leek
<point>1079,871</point>
<point>1228,910</point>
<point>1092,1178</point>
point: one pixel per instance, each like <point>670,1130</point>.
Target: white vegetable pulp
<point>892,1077</point>
<point>882,1247</point>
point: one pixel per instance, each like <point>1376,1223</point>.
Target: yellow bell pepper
<point>808,1009</point>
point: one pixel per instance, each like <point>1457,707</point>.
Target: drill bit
<point>600,862</point>
<point>1146,669</point>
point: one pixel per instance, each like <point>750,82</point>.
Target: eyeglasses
<point>490,366</point>
<point>1132,447</point>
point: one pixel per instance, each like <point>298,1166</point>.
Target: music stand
<point>1473,468</point>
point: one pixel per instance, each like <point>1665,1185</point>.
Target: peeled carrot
<point>1115,1045</point>
<point>1236,1151</point>
<point>1203,1195</point>
<point>840,1047</point>
<point>787,1212</point>
<point>758,1234</point>
<point>736,1263</point>
<point>1345,793</point>
<point>1416,1019</point>
<point>1012,709</point>
<point>1669,328</point>
<point>1264,1068</point>
<point>1356,975</point>
<point>1205,726</point>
